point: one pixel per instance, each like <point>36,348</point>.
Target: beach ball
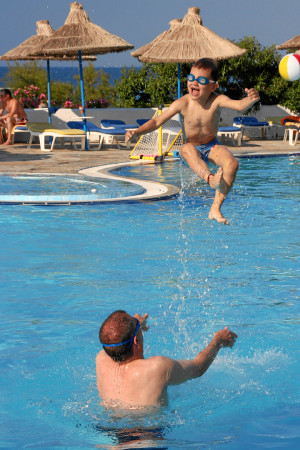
<point>289,67</point>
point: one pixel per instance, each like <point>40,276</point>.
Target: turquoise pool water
<point>16,188</point>
<point>64,269</point>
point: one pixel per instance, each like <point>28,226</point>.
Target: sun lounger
<point>18,129</point>
<point>291,132</point>
<point>141,122</point>
<point>114,134</point>
<point>251,122</point>
<point>44,130</point>
<point>105,123</point>
<point>235,133</point>
<point>110,123</point>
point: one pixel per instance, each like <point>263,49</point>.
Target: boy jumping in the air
<point>201,110</point>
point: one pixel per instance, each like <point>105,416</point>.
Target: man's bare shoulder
<point>159,365</point>
<point>159,360</point>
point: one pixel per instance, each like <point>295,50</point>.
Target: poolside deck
<point>18,159</point>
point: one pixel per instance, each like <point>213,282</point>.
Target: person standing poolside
<point>14,113</point>
<point>126,379</point>
<point>200,110</point>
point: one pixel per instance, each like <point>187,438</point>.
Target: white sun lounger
<point>235,133</point>
<point>45,130</point>
<point>113,135</point>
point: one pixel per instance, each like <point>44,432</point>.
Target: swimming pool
<point>95,185</point>
<point>64,269</point>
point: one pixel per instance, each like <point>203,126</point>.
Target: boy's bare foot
<point>215,214</point>
<point>215,181</point>
<point>7,143</point>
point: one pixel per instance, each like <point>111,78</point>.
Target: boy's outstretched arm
<point>156,122</point>
<point>240,105</point>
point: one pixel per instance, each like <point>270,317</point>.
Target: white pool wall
<point>130,115</point>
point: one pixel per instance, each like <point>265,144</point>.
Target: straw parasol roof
<point>23,51</point>
<point>293,43</point>
<point>189,41</point>
<point>79,34</point>
<point>140,51</point>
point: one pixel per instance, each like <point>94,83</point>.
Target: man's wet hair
<point>118,327</point>
<point>208,63</point>
<point>6,92</point>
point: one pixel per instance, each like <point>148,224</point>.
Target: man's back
<point>126,380</point>
<point>136,383</point>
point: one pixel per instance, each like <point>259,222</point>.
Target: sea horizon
<point>66,74</point>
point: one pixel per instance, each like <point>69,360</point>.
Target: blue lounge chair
<point>110,123</point>
<point>141,122</point>
<point>115,134</point>
<point>251,122</point>
<point>235,133</point>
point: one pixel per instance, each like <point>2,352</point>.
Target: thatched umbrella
<point>293,44</point>
<point>80,36</point>
<point>188,42</point>
<point>142,50</point>
<point>24,50</point>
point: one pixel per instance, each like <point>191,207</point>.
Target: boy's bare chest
<point>198,117</point>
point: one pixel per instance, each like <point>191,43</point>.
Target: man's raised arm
<point>184,370</point>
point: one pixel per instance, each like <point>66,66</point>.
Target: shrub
<point>68,104</point>
<point>30,97</point>
<point>98,103</point>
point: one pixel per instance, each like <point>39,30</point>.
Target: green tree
<point>291,97</point>
<point>151,85</point>
<point>25,74</point>
<point>60,93</point>
<point>131,88</point>
<point>105,89</point>
<point>257,68</point>
<point>96,85</point>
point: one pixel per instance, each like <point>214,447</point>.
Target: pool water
<point>64,269</point>
<point>68,187</point>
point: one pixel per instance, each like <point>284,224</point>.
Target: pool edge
<point>153,191</point>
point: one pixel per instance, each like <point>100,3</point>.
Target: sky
<point>140,21</point>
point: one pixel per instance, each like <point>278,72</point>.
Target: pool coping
<point>152,190</point>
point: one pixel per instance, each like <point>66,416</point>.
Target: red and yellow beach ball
<point>289,67</point>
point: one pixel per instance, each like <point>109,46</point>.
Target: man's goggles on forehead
<point>200,80</point>
<point>130,341</point>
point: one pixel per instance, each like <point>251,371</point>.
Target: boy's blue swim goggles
<point>200,80</point>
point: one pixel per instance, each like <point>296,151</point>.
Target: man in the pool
<point>200,110</point>
<point>126,379</point>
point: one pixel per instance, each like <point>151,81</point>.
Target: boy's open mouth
<point>194,90</point>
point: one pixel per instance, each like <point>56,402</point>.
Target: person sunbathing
<point>200,110</point>
<point>15,113</point>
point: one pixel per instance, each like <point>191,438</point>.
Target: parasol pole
<point>178,80</point>
<point>49,91</point>
<point>160,133</point>
<point>82,97</point>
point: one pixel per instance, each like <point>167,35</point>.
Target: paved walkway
<point>18,159</point>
